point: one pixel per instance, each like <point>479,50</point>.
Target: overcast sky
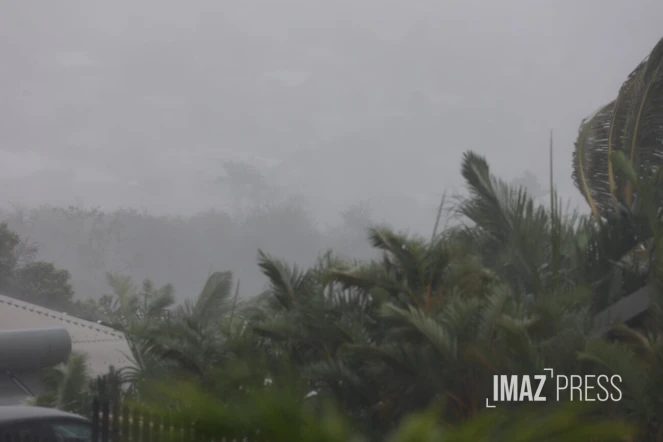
<point>138,102</point>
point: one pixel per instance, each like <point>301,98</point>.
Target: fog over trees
<point>186,135</point>
<point>315,220</point>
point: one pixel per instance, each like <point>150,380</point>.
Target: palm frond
<point>590,159</point>
<point>510,225</point>
<point>633,125</point>
<point>214,298</point>
<point>288,284</point>
<point>643,131</point>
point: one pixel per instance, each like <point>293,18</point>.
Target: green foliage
<point>37,282</point>
<point>43,284</point>
<point>404,347</point>
<point>560,423</point>
<point>8,243</point>
<point>630,125</point>
<point>130,308</point>
<point>276,414</point>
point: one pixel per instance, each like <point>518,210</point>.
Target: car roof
<point>21,413</point>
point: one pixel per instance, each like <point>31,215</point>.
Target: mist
<point>188,135</point>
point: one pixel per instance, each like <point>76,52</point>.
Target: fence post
<point>104,420</point>
<point>167,427</point>
<point>115,421</point>
<point>156,428</point>
<point>192,433</point>
<point>135,425</point>
<point>125,423</point>
<point>146,427</point>
<point>182,432</point>
<point>95,419</point>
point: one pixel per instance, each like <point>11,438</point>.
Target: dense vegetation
<point>23,277</point>
<point>513,287</point>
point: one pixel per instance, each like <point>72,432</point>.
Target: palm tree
<point>636,352</point>
<point>632,125</point>
<point>132,310</point>
<point>508,292</point>
<point>198,335</point>
<point>537,249</point>
<point>426,321</point>
<point>530,246</point>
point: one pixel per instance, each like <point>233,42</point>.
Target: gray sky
<point>136,103</point>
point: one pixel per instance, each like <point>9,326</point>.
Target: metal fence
<point>116,422</point>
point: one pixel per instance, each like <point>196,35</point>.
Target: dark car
<point>37,424</point>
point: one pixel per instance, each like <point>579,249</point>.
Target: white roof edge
<point>7,300</point>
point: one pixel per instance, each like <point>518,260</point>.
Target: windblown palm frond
<point>131,310</point>
<point>147,361</point>
<point>156,300</point>
<point>510,230</point>
<point>212,302</point>
<point>590,159</point>
<point>289,285</point>
<point>631,124</point>
<point>413,271</point>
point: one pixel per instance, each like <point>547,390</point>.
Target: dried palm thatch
<point>632,124</point>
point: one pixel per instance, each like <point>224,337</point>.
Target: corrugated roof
<point>103,345</point>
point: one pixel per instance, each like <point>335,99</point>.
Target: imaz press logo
<point>530,388</point>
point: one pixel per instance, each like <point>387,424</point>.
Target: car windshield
<point>72,432</point>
